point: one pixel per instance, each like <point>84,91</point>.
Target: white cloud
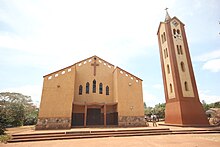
<point>82,28</point>
<point>208,97</point>
<point>151,99</point>
<point>212,65</point>
<point>208,56</point>
<point>211,60</point>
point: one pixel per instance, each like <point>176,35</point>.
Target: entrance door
<point>93,116</point>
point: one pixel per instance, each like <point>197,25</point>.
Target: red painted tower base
<point>185,113</point>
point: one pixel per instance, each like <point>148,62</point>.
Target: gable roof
<point>116,67</point>
<point>168,21</point>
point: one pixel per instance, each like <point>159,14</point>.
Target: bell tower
<point>182,100</point>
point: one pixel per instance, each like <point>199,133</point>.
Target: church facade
<point>91,92</point>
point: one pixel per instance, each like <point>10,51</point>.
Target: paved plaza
<point>183,140</point>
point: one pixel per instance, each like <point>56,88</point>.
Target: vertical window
<point>168,69</point>
<point>164,35</point>
<point>178,50</point>
<point>87,88</point>
<point>171,88</point>
<point>182,66</point>
<point>80,90</point>
<point>178,31</point>
<point>166,53</point>
<point>94,86</point>
<point>181,51</point>
<point>107,90</point>
<point>174,31</point>
<point>186,86</point>
<point>162,38</point>
<point>100,88</point>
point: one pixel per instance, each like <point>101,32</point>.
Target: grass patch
<point>5,138</point>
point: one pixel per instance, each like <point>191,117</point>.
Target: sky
<point>38,37</point>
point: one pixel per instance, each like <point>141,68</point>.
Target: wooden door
<point>93,116</point>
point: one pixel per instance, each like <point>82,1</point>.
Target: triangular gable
<point>116,67</point>
<point>169,22</point>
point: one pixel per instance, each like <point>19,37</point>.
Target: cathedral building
<point>91,92</point>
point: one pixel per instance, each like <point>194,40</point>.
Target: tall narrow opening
<point>182,66</point>
<point>186,86</point>
<point>80,90</point>
<point>100,88</point>
<point>94,86</point>
<point>87,88</point>
<point>171,88</point>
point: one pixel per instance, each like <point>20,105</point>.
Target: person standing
<point>154,121</point>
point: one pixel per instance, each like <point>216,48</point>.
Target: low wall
<point>53,123</point>
<point>131,121</point>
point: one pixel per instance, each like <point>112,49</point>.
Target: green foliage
<point>205,105</point>
<point>158,110</point>
<point>208,106</point>
<point>148,111</point>
<point>16,109</point>
<point>5,138</point>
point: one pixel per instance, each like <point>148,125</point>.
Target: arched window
<point>80,90</point>
<point>181,51</point>
<point>168,68</point>
<point>166,52</point>
<point>178,31</point>
<point>182,66</point>
<point>100,88</point>
<point>87,88</point>
<point>186,86</point>
<point>107,90</point>
<point>164,35</point>
<point>174,31</point>
<point>94,86</point>
<point>178,50</point>
<point>162,38</point>
<point>171,88</point>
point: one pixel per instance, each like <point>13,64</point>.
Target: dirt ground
<point>190,140</point>
<point>186,140</point>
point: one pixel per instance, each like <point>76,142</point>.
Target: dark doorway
<point>93,116</point>
<point>112,118</point>
<point>77,119</point>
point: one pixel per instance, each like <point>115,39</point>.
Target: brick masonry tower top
<point>182,100</point>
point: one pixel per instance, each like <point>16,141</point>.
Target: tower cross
<point>94,65</point>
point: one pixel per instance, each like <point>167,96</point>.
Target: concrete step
<point>82,133</point>
<point>86,134</point>
<point>101,134</point>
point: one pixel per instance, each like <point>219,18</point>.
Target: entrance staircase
<point>103,133</point>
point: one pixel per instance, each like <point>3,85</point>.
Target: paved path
<point>30,129</point>
<point>190,140</point>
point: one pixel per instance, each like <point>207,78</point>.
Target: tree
<point>2,120</point>
<point>205,105</point>
<point>159,110</point>
<point>16,109</point>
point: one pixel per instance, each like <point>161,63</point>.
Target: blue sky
<point>38,37</point>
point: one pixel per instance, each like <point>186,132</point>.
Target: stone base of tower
<point>185,113</point>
